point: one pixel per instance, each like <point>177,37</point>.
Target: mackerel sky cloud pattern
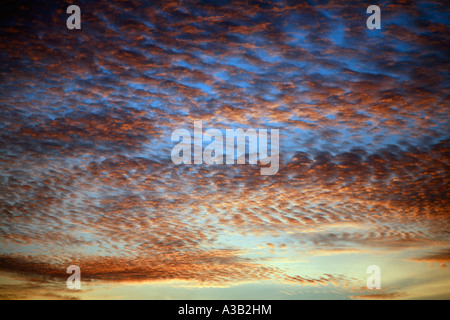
<point>86,176</point>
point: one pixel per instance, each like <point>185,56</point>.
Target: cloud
<point>87,115</point>
<point>441,257</point>
<point>382,296</point>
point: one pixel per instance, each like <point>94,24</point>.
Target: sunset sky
<point>86,176</point>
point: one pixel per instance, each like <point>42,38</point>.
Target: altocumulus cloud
<point>86,117</point>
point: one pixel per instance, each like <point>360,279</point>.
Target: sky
<point>87,179</point>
